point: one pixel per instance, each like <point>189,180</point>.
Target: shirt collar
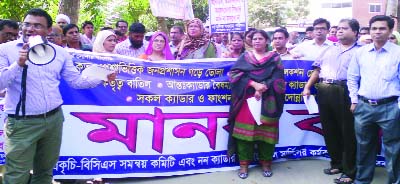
<point>386,47</point>
<point>355,45</point>
<point>20,41</point>
<point>326,42</point>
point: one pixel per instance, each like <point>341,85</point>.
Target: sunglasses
<point>392,38</point>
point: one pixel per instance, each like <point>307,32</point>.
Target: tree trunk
<point>70,8</point>
<point>398,17</point>
<point>162,25</point>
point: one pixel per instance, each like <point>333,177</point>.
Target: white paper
<point>97,72</point>
<point>255,108</point>
<point>311,104</point>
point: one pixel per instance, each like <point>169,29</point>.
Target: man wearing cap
<point>134,46</point>
<point>62,20</point>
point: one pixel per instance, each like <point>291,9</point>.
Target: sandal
<point>243,172</point>
<point>332,171</point>
<point>267,173</point>
<point>343,179</point>
<point>243,175</point>
<point>266,167</point>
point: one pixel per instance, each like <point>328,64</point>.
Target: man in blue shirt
<point>374,85</point>
<point>33,137</point>
<point>330,70</point>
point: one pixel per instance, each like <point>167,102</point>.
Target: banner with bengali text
<point>228,16</point>
<point>167,118</point>
<point>177,9</point>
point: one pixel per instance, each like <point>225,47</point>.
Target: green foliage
<point>276,12</point>
<point>93,10</point>
<point>16,9</point>
<point>200,9</point>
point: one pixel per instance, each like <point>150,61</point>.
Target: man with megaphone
<point>31,74</point>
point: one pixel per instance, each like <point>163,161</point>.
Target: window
<point>374,8</point>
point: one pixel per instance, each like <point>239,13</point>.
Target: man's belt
<point>378,102</point>
<point>44,115</point>
<point>333,81</point>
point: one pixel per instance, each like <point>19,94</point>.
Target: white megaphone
<point>40,52</point>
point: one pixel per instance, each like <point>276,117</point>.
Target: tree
<point>94,11</point>
<point>70,8</point>
<point>275,13</point>
<point>16,9</point>
<point>200,9</point>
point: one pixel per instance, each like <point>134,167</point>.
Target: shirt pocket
<point>390,71</point>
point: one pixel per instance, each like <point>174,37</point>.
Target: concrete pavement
<point>305,171</point>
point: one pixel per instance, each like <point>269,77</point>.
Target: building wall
<point>318,9</point>
<point>361,10</point>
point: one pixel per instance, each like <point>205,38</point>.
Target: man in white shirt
<point>310,50</point>
<point>134,45</point>
<point>175,35</point>
<point>87,38</point>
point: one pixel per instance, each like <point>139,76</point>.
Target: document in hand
<point>255,108</point>
<point>97,72</point>
<point>311,104</point>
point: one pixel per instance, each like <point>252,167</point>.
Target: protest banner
<point>228,16</point>
<point>177,9</point>
<point>168,118</point>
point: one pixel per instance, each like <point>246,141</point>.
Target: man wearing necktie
<point>33,103</point>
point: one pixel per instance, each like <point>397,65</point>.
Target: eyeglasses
<point>36,26</point>
<point>122,27</point>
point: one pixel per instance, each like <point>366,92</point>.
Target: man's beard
<point>136,44</point>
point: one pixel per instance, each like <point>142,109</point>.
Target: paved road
<point>288,172</point>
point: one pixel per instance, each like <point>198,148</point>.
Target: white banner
<point>177,9</point>
<point>228,15</point>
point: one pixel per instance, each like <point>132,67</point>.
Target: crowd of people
<point>356,73</point>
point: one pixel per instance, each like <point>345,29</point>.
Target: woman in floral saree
<point>258,74</point>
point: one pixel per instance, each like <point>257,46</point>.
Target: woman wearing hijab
<point>158,48</point>
<point>196,45</point>
<point>395,38</point>
<point>105,42</point>
<point>259,74</point>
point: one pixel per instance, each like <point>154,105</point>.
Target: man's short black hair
<point>67,27</point>
<point>321,21</point>
<point>389,20</point>
<point>310,28</point>
<point>353,23</point>
<point>116,24</point>
<point>284,31</point>
<point>364,28</point>
<point>137,27</point>
<point>9,23</point>
<point>41,13</point>
<point>84,24</point>
<point>180,28</point>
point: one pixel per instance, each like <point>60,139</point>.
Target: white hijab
<point>99,41</point>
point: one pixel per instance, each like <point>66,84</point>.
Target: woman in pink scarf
<point>158,48</point>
